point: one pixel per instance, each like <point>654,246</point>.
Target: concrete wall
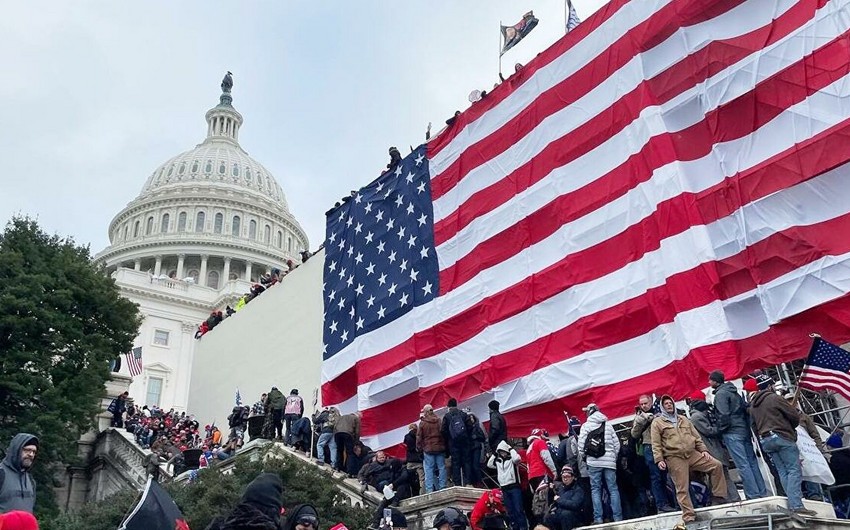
<point>276,340</point>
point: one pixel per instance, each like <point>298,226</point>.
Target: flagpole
<point>500,50</point>
<point>566,15</point>
<point>814,336</point>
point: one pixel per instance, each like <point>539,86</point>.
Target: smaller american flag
<point>827,368</point>
<point>238,398</point>
<point>134,361</point>
<point>572,19</point>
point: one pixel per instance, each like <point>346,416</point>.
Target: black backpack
<point>457,426</point>
<point>594,444</point>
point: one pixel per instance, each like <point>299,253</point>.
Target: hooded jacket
<point>771,413</point>
<point>612,443</point>
<point>506,470</point>
<point>276,399</point>
<point>18,489</point>
<point>731,410</point>
<point>259,508</point>
<point>348,423</point>
<point>296,512</point>
<point>429,435</point>
<point>679,440</point>
<point>705,423</point>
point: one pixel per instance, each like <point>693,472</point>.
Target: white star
<point>391,257</point>
<point>381,312</point>
<point>324,348</point>
<point>350,251</point>
<point>387,194</point>
<point>420,188</point>
<point>403,300</point>
<point>341,244</point>
<point>380,186</point>
<point>360,323</point>
<point>379,216</point>
<point>382,279</point>
<point>341,303</point>
<point>344,336</point>
<point>398,170</point>
<point>422,219</point>
<point>349,221</point>
<point>401,233</point>
<point>332,266</point>
<point>369,237</point>
<point>333,327</point>
<point>351,311</point>
<point>370,301</point>
<point>342,273</point>
<point>403,265</point>
<point>399,200</point>
<point>358,258</point>
<point>419,159</point>
<point>414,275</point>
<point>392,288</point>
<point>341,215</point>
<point>424,252</point>
<point>409,177</point>
<point>368,207</point>
<point>427,287</point>
<point>357,199</point>
<point>350,280</point>
<point>370,269</point>
<point>409,208</point>
<point>332,239</point>
<point>411,241</point>
<point>358,228</point>
<point>390,224</point>
<point>359,289</point>
<point>332,295</point>
<point>380,247</point>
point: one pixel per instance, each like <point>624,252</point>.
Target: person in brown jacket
<point>346,434</point>
<point>429,440</point>
<point>678,449</point>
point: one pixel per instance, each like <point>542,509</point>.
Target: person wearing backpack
<point>733,425</point>
<point>456,431</point>
<point>599,446</point>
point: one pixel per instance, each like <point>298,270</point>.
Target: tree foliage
<point>61,322</point>
<point>214,493</point>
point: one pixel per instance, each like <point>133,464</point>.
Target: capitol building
<point>205,226</point>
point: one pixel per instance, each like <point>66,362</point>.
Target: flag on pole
<point>513,34</point>
<point>659,199</point>
<point>827,368</point>
<point>238,398</point>
<point>134,361</point>
<point>156,509</point>
<point>572,19</point>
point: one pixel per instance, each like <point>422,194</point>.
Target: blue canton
<point>380,260</point>
<point>829,356</point>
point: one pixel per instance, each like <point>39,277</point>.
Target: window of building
<point>260,180</point>
<point>267,235</point>
<point>219,223</point>
<point>199,222</point>
<point>194,274</point>
<point>212,279</point>
<point>208,167</point>
<point>181,222</point>
<point>160,337</point>
<point>279,239</point>
<point>149,226</point>
<point>154,391</point>
<point>252,229</point>
<point>136,229</point>
<point>195,166</point>
<point>235,170</point>
<point>163,226</point>
<point>182,168</point>
<point>236,230</point>
<point>221,169</point>
<point>248,174</point>
<point>126,229</point>
<point>289,243</point>
<point>171,170</point>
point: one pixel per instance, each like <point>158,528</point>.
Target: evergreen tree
<point>61,322</point>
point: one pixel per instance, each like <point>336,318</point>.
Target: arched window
<point>279,239</point>
<point>126,229</point>
<point>252,229</point>
<point>208,167</point>
<point>182,168</point>
<point>236,229</point>
<point>235,170</point>
<point>267,235</point>
<point>181,222</point>
<point>194,274</point>
<point>149,226</point>
<point>260,180</point>
<point>219,223</point>
<point>171,170</point>
<point>195,166</point>
<point>289,243</point>
<point>248,174</point>
<point>199,222</point>
<point>221,169</point>
<point>212,279</point>
<point>163,226</point>
<point>136,229</point>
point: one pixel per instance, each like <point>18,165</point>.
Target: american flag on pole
<point>572,19</point>
<point>134,361</point>
<point>663,192</point>
<point>827,368</point>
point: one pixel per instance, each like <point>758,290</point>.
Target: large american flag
<point>134,361</point>
<point>663,192</point>
<point>827,368</point>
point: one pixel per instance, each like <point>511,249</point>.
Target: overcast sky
<point>96,95</point>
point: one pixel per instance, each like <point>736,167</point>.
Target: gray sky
<point>97,94</point>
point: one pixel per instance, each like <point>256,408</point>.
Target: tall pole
<point>566,15</point>
<point>500,49</point>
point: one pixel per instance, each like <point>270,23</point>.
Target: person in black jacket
<point>302,517</point>
<point>259,508</point>
<point>117,407</point>
<point>498,427</point>
<point>569,499</point>
<point>414,458</point>
<point>456,432</point>
<point>477,440</point>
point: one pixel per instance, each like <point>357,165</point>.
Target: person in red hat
<point>18,520</point>
<point>489,505</point>
<point>705,422</point>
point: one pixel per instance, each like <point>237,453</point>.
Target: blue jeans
<point>786,457</point>
<point>326,439</point>
<point>741,450</point>
<point>597,474</point>
<point>513,502</point>
<point>657,481</point>
<point>435,464</point>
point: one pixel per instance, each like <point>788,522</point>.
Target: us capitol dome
<point>205,226</point>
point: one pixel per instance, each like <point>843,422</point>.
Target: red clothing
<point>536,466</point>
<point>489,503</point>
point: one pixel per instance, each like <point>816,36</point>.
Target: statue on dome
<point>227,82</point>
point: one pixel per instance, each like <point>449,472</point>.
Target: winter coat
<point>259,508</point>
<point>771,413</point>
<point>447,421</point>
<point>294,405</point>
<point>612,443</point>
<point>640,427</point>
<point>679,440</point>
<point>731,410</point>
<point>568,454</point>
<point>540,461</point>
<point>429,436</point>
<point>706,425</point>
<point>276,399</point>
<point>376,472</point>
<point>498,431</point>
<point>570,498</point>
<point>413,455</point>
<point>487,504</point>
<point>506,468</point>
<point>349,423</point>
<point>18,490</point>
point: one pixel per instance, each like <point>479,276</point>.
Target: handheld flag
<point>156,509</point>
<point>134,361</point>
<point>827,368</point>
<point>517,32</point>
<point>572,18</point>
<point>238,398</point>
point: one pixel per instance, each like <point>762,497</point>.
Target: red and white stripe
<point>629,213</point>
<point>816,379</point>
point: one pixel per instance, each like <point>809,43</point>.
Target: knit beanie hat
<point>299,511</point>
<point>763,381</point>
<point>750,385</point>
<point>265,492</point>
<point>18,520</point>
<point>834,441</point>
<point>493,405</point>
<point>717,376</point>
